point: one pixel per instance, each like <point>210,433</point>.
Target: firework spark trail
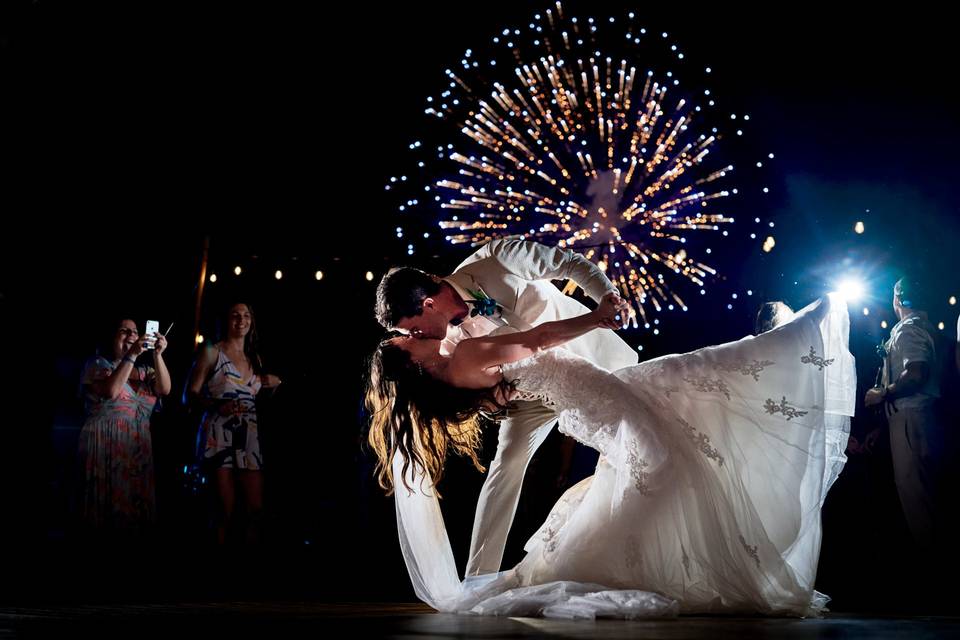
<point>582,150</point>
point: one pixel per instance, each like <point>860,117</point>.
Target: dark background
<point>130,135</point>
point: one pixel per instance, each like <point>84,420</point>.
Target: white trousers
<point>520,435</point>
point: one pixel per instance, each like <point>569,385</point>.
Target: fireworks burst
<point>566,136</point>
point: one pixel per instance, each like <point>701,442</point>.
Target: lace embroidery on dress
<point>702,441</point>
<point>535,397</point>
<point>789,412</point>
<point>752,369</point>
<point>815,360</point>
<point>708,385</point>
<point>638,469</point>
<point>550,533</point>
<point>751,551</point>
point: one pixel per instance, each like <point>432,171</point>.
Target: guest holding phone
<point>115,448</point>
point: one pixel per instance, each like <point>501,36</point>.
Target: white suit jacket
<point>517,274</point>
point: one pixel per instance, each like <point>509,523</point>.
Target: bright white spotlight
<point>850,289</point>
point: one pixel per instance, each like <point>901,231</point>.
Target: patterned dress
<point>231,441</point>
<point>116,452</point>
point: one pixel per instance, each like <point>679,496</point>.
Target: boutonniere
<point>483,305</point>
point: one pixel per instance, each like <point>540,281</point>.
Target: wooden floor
<point>358,621</point>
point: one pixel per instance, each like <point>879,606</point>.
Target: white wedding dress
<point>714,466</point>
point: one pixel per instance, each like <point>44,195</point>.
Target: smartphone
<point>152,330</point>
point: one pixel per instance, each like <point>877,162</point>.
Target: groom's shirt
<point>471,327</point>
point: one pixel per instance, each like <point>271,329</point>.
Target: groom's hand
<point>614,310</point>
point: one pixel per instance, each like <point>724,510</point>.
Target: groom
<point>503,287</point>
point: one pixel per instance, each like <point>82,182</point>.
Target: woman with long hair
<point>224,384</point>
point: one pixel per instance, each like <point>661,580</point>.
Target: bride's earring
<point>420,367</point>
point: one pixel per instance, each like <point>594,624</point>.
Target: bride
<point>706,498</point>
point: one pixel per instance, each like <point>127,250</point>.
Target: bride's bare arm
<point>479,354</point>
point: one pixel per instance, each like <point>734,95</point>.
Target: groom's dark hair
<point>400,294</point>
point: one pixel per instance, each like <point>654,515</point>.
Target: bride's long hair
<point>423,418</point>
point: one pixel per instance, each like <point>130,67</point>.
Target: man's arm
<point>535,261</point>
<point>910,380</point>
<point>917,349</point>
